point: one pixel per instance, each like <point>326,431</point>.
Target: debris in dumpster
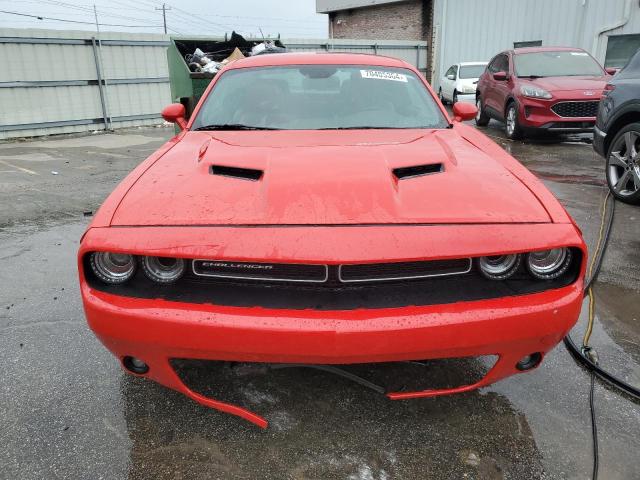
<point>268,46</point>
<point>198,61</point>
<point>235,55</point>
<point>211,67</point>
<point>208,57</point>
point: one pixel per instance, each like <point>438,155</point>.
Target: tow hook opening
<point>529,361</point>
<point>135,365</point>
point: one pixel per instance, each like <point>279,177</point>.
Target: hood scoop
<point>403,173</point>
<point>236,172</point>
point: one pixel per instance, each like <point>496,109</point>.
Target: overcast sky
<point>290,18</point>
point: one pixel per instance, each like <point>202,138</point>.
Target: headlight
<point>163,269</point>
<point>113,268</point>
<point>499,267</point>
<point>534,92</point>
<point>549,264</point>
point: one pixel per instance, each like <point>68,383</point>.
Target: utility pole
<point>164,15</point>
<point>102,81</point>
<point>95,13</point>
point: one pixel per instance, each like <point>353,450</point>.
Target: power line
<point>39,17</point>
<point>88,11</point>
<point>241,16</point>
<point>180,18</point>
<point>189,20</point>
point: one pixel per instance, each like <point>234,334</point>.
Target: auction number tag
<point>382,75</point>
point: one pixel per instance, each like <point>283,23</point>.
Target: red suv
<point>554,89</point>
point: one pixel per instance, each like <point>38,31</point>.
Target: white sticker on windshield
<point>578,54</point>
<point>381,75</point>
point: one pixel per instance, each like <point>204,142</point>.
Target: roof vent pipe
<point>620,23</point>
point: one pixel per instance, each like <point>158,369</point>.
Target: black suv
<point>617,133</point>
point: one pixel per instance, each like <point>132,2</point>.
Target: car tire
<point>482,119</point>
<point>455,97</point>
<point>441,97</point>
<point>511,124</point>
<point>623,166</point>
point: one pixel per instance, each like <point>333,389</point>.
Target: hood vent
<point>236,172</point>
<point>417,170</point>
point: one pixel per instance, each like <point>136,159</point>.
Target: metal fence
<point>68,81</point>
<point>55,81</point>
<point>413,52</point>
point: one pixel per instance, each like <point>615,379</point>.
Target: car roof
<point>319,58</point>
<point>546,49</point>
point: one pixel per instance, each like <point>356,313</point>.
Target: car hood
<point>327,178</point>
<point>562,84</point>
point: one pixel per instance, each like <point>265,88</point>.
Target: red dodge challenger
<point>324,209</point>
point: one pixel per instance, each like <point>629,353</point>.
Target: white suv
<point>459,82</point>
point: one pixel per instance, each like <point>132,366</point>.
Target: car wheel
<point>623,165</point>
<point>440,96</point>
<point>455,98</point>
<point>482,119</point>
<point>511,126</point>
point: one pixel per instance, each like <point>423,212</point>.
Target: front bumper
<point>536,115</point>
<point>157,330</point>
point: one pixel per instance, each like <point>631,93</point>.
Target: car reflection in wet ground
<point>68,411</point>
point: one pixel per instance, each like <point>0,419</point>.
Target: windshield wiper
<point>234,126</point>
<point>532,77</point>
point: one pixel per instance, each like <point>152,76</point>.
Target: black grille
<point>285,272</point>
<point>576,109</point>
<point>403,270</point>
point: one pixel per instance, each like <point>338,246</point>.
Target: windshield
<point>471,71</point>
<point>312,97</point>
<point>556,64</point>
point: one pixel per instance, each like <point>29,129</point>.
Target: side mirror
<point>464,111</point>
<point>451,76</point>
<point>611,71</point>
<point>175,113</point>
<point>500,76</point>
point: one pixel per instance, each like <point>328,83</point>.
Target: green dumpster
<point>186,86</point>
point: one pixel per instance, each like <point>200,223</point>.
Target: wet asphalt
<point>67,410</point>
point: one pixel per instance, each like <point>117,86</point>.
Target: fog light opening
<point>529,361</point>
<point>135,365</point>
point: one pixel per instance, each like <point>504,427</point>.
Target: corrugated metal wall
<point>471,30</point>
<point>49,81</point>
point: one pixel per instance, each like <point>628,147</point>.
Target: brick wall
<point>395,21</point>
<point>409,20</point>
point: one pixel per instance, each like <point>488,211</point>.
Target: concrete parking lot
<point>67,410</point>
